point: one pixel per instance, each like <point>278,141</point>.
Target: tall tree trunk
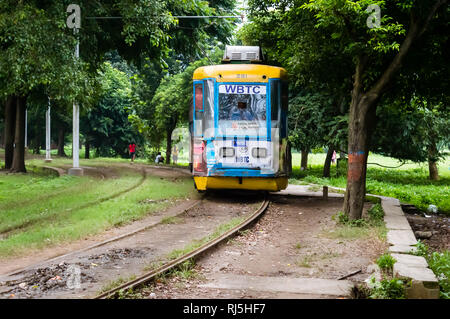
<point>10,124</point>
<point>169,145</point>
<point>18,164</point>
<point>362,119</point>
<point>87,149</point>
<point>61,133</point>
<point>432,166</point>
<point>37,143</point>
<point>357,165</point>
<point>327,164</point>
<point>304,160</point>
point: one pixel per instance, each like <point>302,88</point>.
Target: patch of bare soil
<point>130,256</point>
<point>291,240</point>
<point>433,230</point>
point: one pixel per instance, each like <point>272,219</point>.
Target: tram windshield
<point>242,109</point>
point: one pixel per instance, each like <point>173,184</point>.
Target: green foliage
<point>313,121</point>
<point>388,289</point>
<point>376,214</point>
<point>37,52</point>
<point>185,270</point>
<point>415,130</point>
<point>421,249</point>
<point>386,262</point>
<point>439,263</point>
<point>343,219</point>
<point>106,126</point>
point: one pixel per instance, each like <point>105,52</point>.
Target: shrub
<point>376,214</point>
<point>389,289</point>
<point>439,263</point>
<point>386,262</point>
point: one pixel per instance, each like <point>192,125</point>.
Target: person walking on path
<point>132,149</point>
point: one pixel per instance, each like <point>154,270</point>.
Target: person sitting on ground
<point>159,158</point>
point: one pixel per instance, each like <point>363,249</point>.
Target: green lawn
<point>38,210</point>
<point>408,183</point>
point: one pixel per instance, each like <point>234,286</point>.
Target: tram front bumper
<point>272,184</point>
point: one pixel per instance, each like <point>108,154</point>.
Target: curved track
<point>193,254</point>
<point>7,231</point>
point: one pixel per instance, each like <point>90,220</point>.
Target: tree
<point>378,55</point>
<point>36,53</point>
<point>171,104</point>
<point>319,77</point>
<point>36,49</point>
<point>375,54</point>
<point>106,126</point>
<point>417,131</point>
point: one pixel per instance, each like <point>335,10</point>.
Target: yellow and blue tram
<point>239,124</point>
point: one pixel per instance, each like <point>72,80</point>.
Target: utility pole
<point>47,134</point>
<point>74,22</point>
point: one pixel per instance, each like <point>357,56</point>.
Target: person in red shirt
<point>132,149</point>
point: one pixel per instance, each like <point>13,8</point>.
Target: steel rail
<point>195,253</point>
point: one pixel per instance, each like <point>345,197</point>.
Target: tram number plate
<point>242,154</point>
<point>242,159</point>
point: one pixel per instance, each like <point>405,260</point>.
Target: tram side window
<point>274,102</point>
<point>208,111</point>
<point>198,106</point>
<point>284,108</point>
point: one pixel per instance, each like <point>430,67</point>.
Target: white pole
<point>76,121</point>
<point>74,22</point>
<point>47,134</point>
<point>76,170</point>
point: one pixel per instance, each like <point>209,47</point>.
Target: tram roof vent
<point>242,54</point>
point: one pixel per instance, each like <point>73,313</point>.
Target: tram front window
<point>242,110</point>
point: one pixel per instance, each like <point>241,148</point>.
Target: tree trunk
<point>432,167</point>
<point>304,161</point>
<point>87,149</point>
<point>362,121</point>
<point>18,164</point>
<point>327,164</point>
<point>37,143</point>
<point>169,145</point>
<point>61,133</point>
<point>10,124</point>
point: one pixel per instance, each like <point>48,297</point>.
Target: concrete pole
<point>76,170</point>
<point>47,134</point>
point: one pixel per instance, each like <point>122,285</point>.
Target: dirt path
<point>293,242</point>
<point>126,257</point>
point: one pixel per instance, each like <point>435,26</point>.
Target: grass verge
<point>39,210</point>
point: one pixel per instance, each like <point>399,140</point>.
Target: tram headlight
<point>259,152</point>
<point>226,152</point>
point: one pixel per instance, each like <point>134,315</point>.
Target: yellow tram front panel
<point>273,184</point>
<point>240,73</point>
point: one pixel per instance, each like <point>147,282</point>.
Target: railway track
<point>148,277</point>
<point>8,231</point>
